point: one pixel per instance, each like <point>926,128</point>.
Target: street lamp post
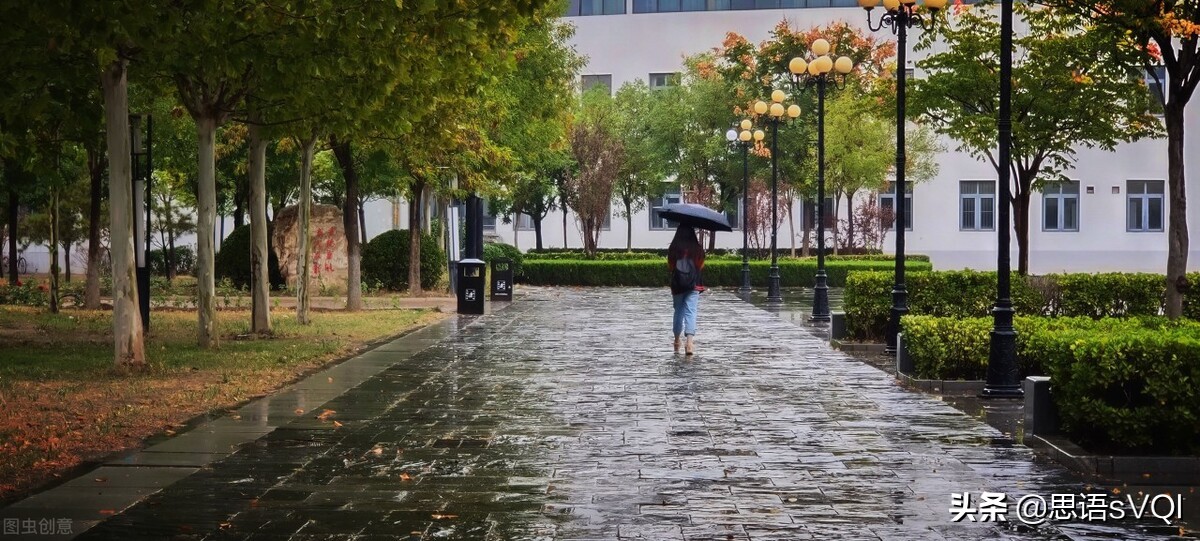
<point>1003,380</point>
<point>821,71</point>
<point>899,17</point>
<point>743,138</point>
<point>775,113</point>
<point>142,172</point>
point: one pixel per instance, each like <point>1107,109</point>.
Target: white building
<point>1116,220</point>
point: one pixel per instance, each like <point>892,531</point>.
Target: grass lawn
<point>64,403</point>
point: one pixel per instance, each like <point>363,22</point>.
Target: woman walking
<point>685,259</point>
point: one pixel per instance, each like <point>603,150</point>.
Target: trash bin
<point>470,286</point>
<point>502,279</point>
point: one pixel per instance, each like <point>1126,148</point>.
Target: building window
<point>489,218</point>
<point>577,8</point>
<point>1145,204</point>
<point>887,200</point>
<point>810,214</point>
<point>1156,81</point>
<point>672,196</point>
<point>588,81</point>
<point>663,80</point>
<point>977,205</point>
<point>733,215</point>
<point>1060,206</point>
<point>524,222</point>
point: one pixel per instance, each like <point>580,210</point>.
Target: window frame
<point>977,197</point>
<point>890,194</point>
<point>584,87</point>
<point>1146,196</point>
<point>673,191</point>
<point>1060,202</point>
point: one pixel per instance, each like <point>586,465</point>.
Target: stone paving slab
<point>567,417</point>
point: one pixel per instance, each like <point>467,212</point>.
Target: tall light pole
<point>821,71</point>
<point>743,138</point>
<point>143,168</point>
<point>775,114</point>
<point>1003,380</point>
<point>899,17</point>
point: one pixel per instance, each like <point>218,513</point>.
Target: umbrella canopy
<point>694,215</point>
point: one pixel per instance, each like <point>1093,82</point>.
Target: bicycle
<point>22,265</point>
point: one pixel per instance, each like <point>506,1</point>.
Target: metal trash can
<point>470,286</point>
<point>502,279</point>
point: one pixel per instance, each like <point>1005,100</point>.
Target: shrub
<point>868,297</point>
<point>233,261</point>
<point>1121,384</point>
<point>385,260</point>
<point>24,293</point>
<point>717,273</point>
<point>184,260</point>
<point>494,250</point>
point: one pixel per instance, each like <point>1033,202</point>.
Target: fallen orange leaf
<point>107,512</point>
<point>325,415</point>
<point>299,411</point>
<point>337,424</point>
<point>405,476</point>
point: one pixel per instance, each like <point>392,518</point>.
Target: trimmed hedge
<point>867,298</point>
<point>641,255</point>
<point>233,261</point>
<point>385,260</point>
<point>1125,385</point>
<point>494,250</point>
<point>717,273</point>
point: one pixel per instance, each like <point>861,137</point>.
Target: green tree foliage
<point>1167,34</point>
<point>598,149</point>
<point>1071,89</point>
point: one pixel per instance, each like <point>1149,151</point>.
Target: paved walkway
<point>566,416</point>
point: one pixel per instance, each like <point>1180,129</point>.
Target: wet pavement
<point>566,416</point>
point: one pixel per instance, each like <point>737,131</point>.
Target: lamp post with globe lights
<point>743,139</point>
<point>819,72</point>
<point>899,16</point>
<point>775,114</point>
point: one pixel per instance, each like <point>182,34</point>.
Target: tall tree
<point>1071,88</point>
<point>598,150</point>
<point>1168,34</point>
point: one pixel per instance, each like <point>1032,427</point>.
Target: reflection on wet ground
<point>566,416</point>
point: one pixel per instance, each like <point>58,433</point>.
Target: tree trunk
<point>128,344</point>
<point>807,211</point>
<point>414,238</point>
<point>1020,208</point>
<point>362,222</point>
<point>791,224</point>
<point>53,244</point>
<point>260,286</point>
<point>564,210</point>
<point>1177,230</point>
<point>206,212</point>
<point>537,232</point>
<point>850,221</point>
<point>341,150</point>
<point>66,245</point>
<point>96,164</point>
<point>170,256</point>
<point>303,231</point>
<point>14,207</point>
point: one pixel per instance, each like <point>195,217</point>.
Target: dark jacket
<point>697,256</point>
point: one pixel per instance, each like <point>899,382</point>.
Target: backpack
<point>685,276</point>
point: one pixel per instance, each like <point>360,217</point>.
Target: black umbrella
<point>693,215</point>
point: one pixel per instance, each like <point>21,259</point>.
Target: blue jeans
<point>685,313</point>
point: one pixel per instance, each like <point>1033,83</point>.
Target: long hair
<point>685,242</point>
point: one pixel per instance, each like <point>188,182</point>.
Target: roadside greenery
<point>717,272</point>
<point>1120,384</point>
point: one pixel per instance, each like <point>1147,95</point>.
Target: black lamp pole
<point>745,289</point>
<point>141,179</point>
<point>773,294</point>
<point>821,287</point>
<point>900,20</point>
<point>819,72</point>
<point>1003,380</point>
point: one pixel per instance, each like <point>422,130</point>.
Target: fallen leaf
<point>377,451</point>
<point>100,479</point>
<point>299,411</point>
<point>225,525</point>
<point>405,477</point>
<point>438,516</point>
<point>331,380</point>
<point>107,512</point>
<point>325,415</point>
<point>337,424</point>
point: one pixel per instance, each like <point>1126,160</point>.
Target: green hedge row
<point>717,273</point>
<point>641,255</point>
<point>868,301</point>
<point>1126,385</point>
